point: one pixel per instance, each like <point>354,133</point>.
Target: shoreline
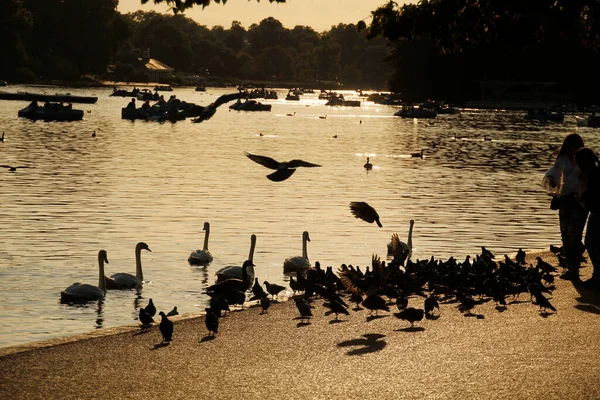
<point>121,329</point>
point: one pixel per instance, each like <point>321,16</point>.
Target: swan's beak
<point>148,248</point>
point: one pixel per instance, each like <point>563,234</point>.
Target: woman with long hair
<point>563,179</point>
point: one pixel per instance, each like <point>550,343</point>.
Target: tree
<point>179,6</point>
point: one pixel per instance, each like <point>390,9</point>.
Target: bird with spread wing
<point>364,211</point>
<point>283,170</point>
<point>211,109</point>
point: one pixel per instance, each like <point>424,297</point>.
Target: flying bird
<point>364,211</point>
<point>283,170</point>
<point>211,109</point>
<point>12,168</point>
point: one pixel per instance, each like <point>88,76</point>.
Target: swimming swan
<point>82,292</point>
<point>368,164</point>
<point>298,263</point>
<point>235,272</point>
<point>123,280</point>
<point>202,257</point>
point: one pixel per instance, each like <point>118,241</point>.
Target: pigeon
<point>303,307</point>
<point>212,322</point>
<point>173,312</point>
<point>145,319</point>
<point>274,288</point>
<point>166,327</point>
<point>520,257</point>
<point>411,315</point>
<point>150,308</point>
<point>336,307</point>
<point>431,303</point>
<point>364,211</point>
<point>543,302</point>
<point>544,266</point>
<point>283,170</point>
<point>265,303</point>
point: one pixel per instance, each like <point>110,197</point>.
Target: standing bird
<point>265,303</point>
<point>520,257</point>
<point>173,312</point>
<point>283,170</point>
<point>543,302</point>
<point>257,291</point>
<point>145,319</point>
<point>303,307</point>
<point>544,266</point>
<point>411,315</point>
<point>401,251</point>
<point>336,307</point>
<point>368,165</point>
<point>274,289</point>
<point>150,309</point>
<point>431,303</point>
<point>364,211</point>
<point>210,110</point>
<point>212,322</point>
<point>375,302</point>
<point>166,327</point>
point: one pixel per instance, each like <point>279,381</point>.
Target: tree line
<point>67,39</point>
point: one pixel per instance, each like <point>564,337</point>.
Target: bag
<point>555,202</point>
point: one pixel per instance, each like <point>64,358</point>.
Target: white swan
<point>235,272</point>
<point>400,250</point>
<point>298,263</point>
<point>81,292</point>
<point>202,257</point>
<point>123,280</point>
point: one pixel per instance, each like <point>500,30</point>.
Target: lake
<point>158,183</point>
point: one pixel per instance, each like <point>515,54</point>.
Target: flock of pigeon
<point>386,287</point>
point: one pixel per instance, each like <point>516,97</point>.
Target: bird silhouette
<point>265,303</point>
<point>543,302</point>
<point>336,307</point>
<point>431,303</point>
<point>12,168</point>
<point>150,308</point>
<point>145,318</point>
<point>374,302</point>
<point>544,266</point>
<point>211,320</point>
<point>364,211</point>
<point>210,110</point>
<point>257,291</point>
<point>283,170</point>
<point>323,116</point>
<point>303,307</point>
<point>419,154</point>
<point>94,134</point>
<point>2,138</point>
<point>173,312</point>
<point>520,257</point>
<point>166,327</point>
<point>368,164</point>
<point>274,289</point>
<point>411,315</point>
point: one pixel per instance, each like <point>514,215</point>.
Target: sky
<point>321,15</point>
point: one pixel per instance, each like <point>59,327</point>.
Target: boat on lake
<point>249,105</point>
<point>544,115</point>
<point>50,112</point>
<point>42,97</point>
<point>416,111</point>
<point>593,121</point>
<point>340,101</point>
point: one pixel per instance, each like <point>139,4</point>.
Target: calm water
<point>158,183</point>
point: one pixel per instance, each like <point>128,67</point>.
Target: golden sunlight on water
<point>159,183</point>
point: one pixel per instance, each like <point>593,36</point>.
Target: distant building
<point>154,69</point>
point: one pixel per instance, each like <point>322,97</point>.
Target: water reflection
<point>99,314</point>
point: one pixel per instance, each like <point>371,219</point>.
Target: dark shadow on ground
<point>411,329</point>
<point>373,317</point>
<point>160,345</point>
<point>302,323</point>
<point>207,338</point>
<point>432,317</point>
<point>368,343</point>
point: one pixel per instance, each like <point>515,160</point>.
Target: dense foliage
<point>98,39</point>
<point>444,48</point>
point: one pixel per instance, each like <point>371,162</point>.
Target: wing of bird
<point>281,174</point>
<point>300,163</point>
<point>263,160</point>
<point>364,211</point>
<point>226,98</point>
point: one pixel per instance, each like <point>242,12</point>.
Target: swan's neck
<point>138,264</point>
<point>410,230</point>
<point>304,250</point>
<point>101,279</point>
<point>205,248</point>
<point>252,246</point>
